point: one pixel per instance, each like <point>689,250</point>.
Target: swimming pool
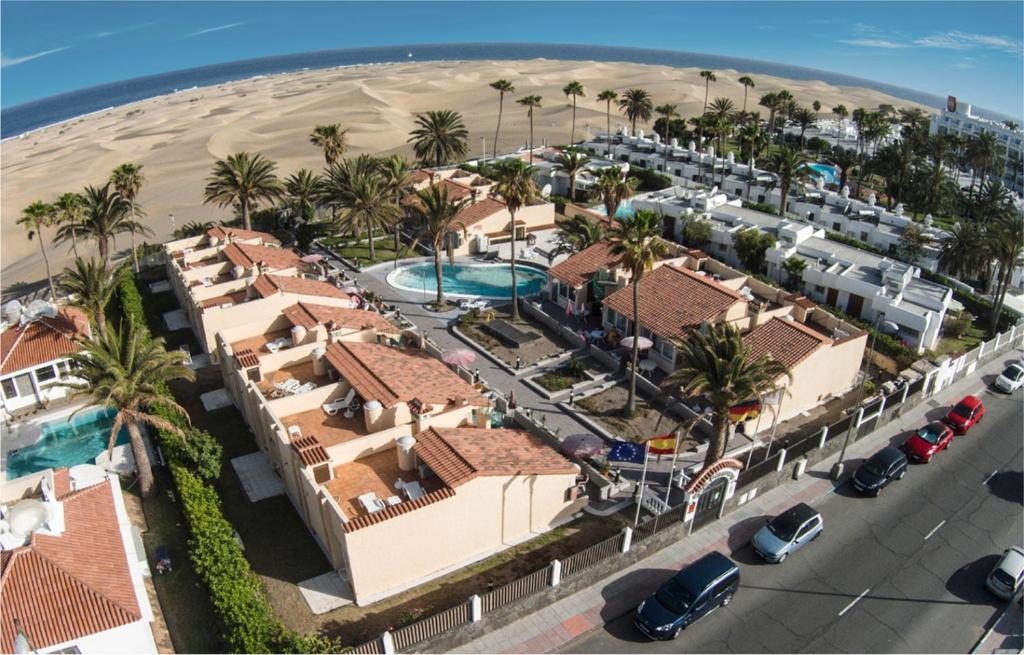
<point>470,280</point>
<point>830,173</point>
<point>66,442</point>
<point>625,210</point>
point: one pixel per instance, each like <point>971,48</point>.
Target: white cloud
<point>957,40</point>
<point>216,29</point>
<point>6,61</point>
<point>122,30</point>
<point>874,43</point>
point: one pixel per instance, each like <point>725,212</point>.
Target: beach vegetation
<point>68,212</point>
<point>514,185</point>
<point>531,102</point>
<point>614,187</point>
<point>34,218</point>
<point>128,180</point>
<point>243,180</point>
<point>440,137</point>
<point>577,233</point>
<point>89,285</point>
<point>502,87</point>
<point>435,216</point>
<point>608,96</point>
<point>574,90</point>
<point>571,162</point>
<point>332,140</point>
<point>636,105</point>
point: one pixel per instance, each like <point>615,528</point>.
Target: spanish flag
<point>662,445</point>
<point>745,411</point>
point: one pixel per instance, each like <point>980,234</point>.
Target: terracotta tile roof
<point>579,269</point>
<point>391,375</point>
<point>366,520</point>
<point>801,300</point>
<point>674,300</point>
<point>418,176</point>
<point>458,455</point>
<point>42,340</point>
<point>268,285</point>
<point>787,341</point>
<point>478,211</point>
<point>221,232</point>
<point>309,314</point>
<point>310,450</point>
<point>247,255</point>
<point>65,587</point>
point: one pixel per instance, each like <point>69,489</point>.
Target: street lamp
<point>837,468</point>
<point>171,216</point>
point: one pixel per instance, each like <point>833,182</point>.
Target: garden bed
<point>570,375</point>
<point>548,344</point>
<point>649,419</point>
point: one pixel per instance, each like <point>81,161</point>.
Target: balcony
<point>375,474</point>
<point>258,344</point>
<point>330,430</point>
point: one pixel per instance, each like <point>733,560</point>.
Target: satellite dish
<point>12,311</point>
<point>546,191</point>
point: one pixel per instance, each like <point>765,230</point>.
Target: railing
<point>373,647</point>
<point>516,589</point>
<point>591,556</point>
<point>431,626</point>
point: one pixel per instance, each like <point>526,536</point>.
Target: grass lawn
<point>384,252</point>
<point>968,341</point>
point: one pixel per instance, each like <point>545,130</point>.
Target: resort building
<point>34,350</point>
<point>822,351</point>
<point>552,181</point>
<point>485,220</point>
<point>959,119</point>
<point>378,444</point>
<point>71,572</point>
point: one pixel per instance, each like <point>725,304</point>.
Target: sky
<point>972,50</point>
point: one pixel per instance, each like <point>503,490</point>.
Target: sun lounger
<point>472,303</point>
<point>348,402</point>
<point>288,386</point>
<point>305,388</point>
<point>413,490</point>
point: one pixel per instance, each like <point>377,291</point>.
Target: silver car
<point>1005,579</point>
<point>788,532</point>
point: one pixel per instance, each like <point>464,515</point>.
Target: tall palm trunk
<point>74,241</point>
<point>572,132</point>
<point>501,104</point>
<point>512,259</point>
<point>46,261</point>
<point>719,436</point>
<point>572,187</point>
<point>135,255</point>
<point>608,128</point>
<point>631,400</point>
<point>245,213</point>
<point>437,273</point>
<point>104,246</point>
<point>531,151</point>
<point>141,459</point>
<point>369,235</point>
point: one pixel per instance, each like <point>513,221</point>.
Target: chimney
<point>406,456</point>
<point>373,411</point>
<point>319,360</point>
<point>298,334</point>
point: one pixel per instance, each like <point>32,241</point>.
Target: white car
<point>1008,573</point>
<point>1011,379</point>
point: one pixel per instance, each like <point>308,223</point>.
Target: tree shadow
<point>623,595</point>
<point>968,582</point>
<point>742,532</point>
<point>21,289</point>
<point>1008,485</point>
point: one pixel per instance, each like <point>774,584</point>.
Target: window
<point>45,374</point>
<point>864,236</point>
<point>644,332</point>
<point>24,385</point>
<point>837,227</point>
<point>819,289</point>
<point>10,391</point>
<point>722,247</point>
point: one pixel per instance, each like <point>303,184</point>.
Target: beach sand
<point>178,137</point>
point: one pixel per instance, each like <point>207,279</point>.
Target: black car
<point>886,465</point>
<point>697,590</point>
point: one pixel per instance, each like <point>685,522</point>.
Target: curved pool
<point>493,281</point>
<point>830,173</point>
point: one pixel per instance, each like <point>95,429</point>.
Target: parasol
<point>644,342</point>
<point>582,445</point>
<point>458,357</point>
<point>312,259</point>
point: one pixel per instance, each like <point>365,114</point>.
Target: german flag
<point>745,411</point>
<point>662,445</point>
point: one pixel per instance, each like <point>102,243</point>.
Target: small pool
<point>625,210</point>
<point>66,443</point>
<point>829,173</point>
<point>470,280</point>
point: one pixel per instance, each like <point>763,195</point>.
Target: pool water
<point>66,442</point>
<point>830,173</point>
<point>470,280</point>
<point>625,210</point>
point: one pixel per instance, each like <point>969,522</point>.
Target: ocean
<point>54,109</point>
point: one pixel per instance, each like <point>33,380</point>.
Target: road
<point>899,573</point>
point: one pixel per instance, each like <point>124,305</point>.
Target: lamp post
<point>173,226</point>
<point>837,468</point>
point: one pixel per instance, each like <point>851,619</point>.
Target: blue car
<point>788,532</point>
<point>694,592</point>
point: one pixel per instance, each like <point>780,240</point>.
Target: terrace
<point>232,298</point>
<point>375,474</point>
<point>258,343</point>
<point>303,372</point>
<point>330,430</point>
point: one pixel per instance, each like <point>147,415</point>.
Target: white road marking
<point>990,476</point>
<point>855,600</point>
<point>941,523</point>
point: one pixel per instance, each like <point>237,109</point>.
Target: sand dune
<point>178,137</point>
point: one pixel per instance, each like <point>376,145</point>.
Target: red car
<point>925,442</point>
<point>965,414</point>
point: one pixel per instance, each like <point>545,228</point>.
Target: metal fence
<point>516,589</point>
<point>590,556</point>
<point>426,628</point>
<point>373,647</point>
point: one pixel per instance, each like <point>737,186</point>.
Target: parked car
<point>1011,378</point>
<point>924,442</point>
<point>694,592</point>
<point>1008,573</point>
<point>788,532</point>
<point>965,414</point>
<point>883,467</point>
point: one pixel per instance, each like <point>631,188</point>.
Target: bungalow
<point>34,356</point>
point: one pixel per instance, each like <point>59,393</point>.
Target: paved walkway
<point>1007,635</point>
<point>555,625</point>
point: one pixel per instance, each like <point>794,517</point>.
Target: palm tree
<point>531,103</point>
<point>34,218</point>
<point>607,97</point>
<point>668,111</point>
<point>846,160</point>
<point>748,83</point>
<point>67,217</point>
<point>502,87</point>
<point>126,371</point>
<point>128,180</point>
<point>722,111</point>
<point>90,285</point>
<point>842,112</point>
<point>436,217</point>
<point>105,214</point>
<point>242,180</point>
<point>794,267</point>
<point>614,188</point>
<point>636,105</point>
<point>804,118</point>
<point>576,234</point>
<point>1006,241</point>
<point>709,77</point>
<point>193,229</point>
<point>816,106</point>
<point>571,162</point>
<point>752,139</point>
<point>963,251</point>
<point>574,89</point>
<point>440,138</point>
<point>788,164</point>
<point>1010,125</point>
<point>983,151</point>
<point>770,101</point>
<point>714,363</point>
<point>514,184</point>
<point>304,189</point>
<point>636,240</point>
<point>332,140</point>
<point>357,186</point>
<point>394,172</point>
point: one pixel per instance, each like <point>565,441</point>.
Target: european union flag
<point>627,451</point>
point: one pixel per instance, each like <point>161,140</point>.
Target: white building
<point>556,182</point>
<point>957,118</point>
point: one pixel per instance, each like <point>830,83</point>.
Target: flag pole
<point>640,496</point>
<point>775,421</point>
<point>757,426</point>
<point>672,469</point>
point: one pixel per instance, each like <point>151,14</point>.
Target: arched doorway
<point>710,501</point>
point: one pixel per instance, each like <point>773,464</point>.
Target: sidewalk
<point>555,625</point>
<point>1007,635</point>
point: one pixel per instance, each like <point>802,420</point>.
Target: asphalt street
<point>903,572</point>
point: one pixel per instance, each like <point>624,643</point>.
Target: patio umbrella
<point>582,445</point>
<point>312,259</point>
<point>458,357</point>
<point>644,342</point>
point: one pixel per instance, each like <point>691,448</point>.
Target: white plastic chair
<point>334,407</point>
<point>305,388</point>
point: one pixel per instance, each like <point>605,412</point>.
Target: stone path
<point>257,476</point>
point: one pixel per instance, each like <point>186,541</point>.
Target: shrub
<point>761,207</point>
<point>575,367</point>
<point>650,180</point>
<point>560,203</point>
